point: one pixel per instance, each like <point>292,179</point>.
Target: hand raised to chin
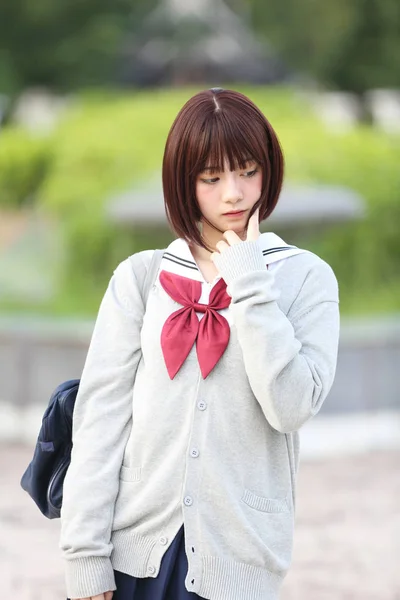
<point>253,233</point>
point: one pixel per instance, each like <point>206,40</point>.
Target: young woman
<point>183,472</point>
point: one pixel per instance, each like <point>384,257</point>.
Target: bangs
<point>225,139</point>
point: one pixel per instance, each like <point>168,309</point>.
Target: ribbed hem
<point>227,579</point>
<point>89,576</point>
<point>240,259</point>
<point>219,580</point>
<point>131,552</point>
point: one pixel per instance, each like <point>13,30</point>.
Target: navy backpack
<point>44,477</point>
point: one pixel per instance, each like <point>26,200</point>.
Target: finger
<point>221,245</point>
<point>109,595</point>
<point>213,255</point>
<point>253,228</point>
<point>232,237</point>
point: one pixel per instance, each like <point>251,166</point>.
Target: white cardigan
<point>220,454</point>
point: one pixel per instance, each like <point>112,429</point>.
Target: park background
<point>88,92</point>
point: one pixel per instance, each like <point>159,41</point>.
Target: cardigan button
<point>194,453</point>
<point>163,541</point>
<point>188,500</point>
<point>151,570</point>
<point>202,405</point>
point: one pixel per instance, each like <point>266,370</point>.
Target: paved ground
<point>347,543</point>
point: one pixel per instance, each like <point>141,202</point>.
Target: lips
<point>234,212</point>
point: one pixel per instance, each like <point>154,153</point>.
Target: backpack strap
<point>151,274</point>
<point>145,265</point>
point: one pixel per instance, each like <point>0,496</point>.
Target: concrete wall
<point>35,356</point>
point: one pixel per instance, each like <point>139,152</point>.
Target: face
<point>224,192</point>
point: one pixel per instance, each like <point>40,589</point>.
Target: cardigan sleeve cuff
<point>90,576</point>
<point>240,259</point>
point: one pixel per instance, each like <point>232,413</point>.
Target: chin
<point>237,226</point>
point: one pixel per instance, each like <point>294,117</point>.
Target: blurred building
<point>301,208</point>
<point>194,41</point>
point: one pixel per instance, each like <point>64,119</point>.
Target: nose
<point>232,191</point>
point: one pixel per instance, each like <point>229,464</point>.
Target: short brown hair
<point>217,125</point>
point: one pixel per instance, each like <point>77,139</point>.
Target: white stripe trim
<point>178,258</point>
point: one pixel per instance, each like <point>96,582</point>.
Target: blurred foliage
<point>345,45</point>
<point>107,142</point>
<point>24,164</point>
<point>65,45</point>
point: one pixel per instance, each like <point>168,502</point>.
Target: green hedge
<point>25,162</point>
<point>107,142</point>
<point>364,254</point>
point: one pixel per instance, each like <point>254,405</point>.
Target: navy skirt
<point>169,583</point>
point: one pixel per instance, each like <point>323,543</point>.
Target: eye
<point>210,181</point>
<point>250,173</point>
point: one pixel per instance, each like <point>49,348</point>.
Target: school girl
<point>185,437</point>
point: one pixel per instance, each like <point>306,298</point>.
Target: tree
<point>63,44</point>
<point>345,45</point>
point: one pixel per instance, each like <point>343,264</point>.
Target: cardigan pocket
<point>130,473</point>
<point>268,505</point>
<point>130,485</point>
<point>269,527</point>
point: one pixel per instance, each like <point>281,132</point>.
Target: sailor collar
<point>178,258</point>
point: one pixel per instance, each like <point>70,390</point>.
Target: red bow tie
<point>183,327</point>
